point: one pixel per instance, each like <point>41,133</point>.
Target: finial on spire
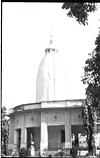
<point>51,36</point>
<point>51,47</point>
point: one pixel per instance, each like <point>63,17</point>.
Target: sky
<point>26,31</point>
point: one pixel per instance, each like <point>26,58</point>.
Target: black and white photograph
<point>50,79</point>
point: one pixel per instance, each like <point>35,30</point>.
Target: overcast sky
<point>26,30</point>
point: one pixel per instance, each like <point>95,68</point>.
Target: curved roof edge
<point>71,103</point>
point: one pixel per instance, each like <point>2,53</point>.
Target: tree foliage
<point>92,72</point>
<point>4,131</point>
<point>80,11</point>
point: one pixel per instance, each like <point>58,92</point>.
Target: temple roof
<point>51,76</point>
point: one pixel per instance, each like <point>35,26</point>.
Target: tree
<point>80,12</point>
<point>90,106</point>
<point>4,131</point>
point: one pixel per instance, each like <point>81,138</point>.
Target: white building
<point>53,121</point>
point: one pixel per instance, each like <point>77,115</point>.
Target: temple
<point>54,121</point>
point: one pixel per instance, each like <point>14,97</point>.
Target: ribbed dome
<point>51,77</point>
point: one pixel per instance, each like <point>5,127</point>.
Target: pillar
<point>23,133</point>
<point>23,137</point>
<point>44,134</point>
<point>15,138</point>
<point>68,143</point>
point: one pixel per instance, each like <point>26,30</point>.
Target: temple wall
<point>62,116</point>
<point>54,117</point>
<point>19,120</point>
<point>32,119</point>
<point>28,119</point>
<point>76,117</point>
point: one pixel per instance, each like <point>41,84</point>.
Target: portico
<point>49,127</point>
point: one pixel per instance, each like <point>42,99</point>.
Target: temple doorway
<point>78,136</point>
<point>18,137</point>
<point>33,135</point>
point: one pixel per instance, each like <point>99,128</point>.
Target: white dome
<point>51,77</point>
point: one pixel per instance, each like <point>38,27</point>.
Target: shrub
<point>23,152</point>
<point>74,152</point>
